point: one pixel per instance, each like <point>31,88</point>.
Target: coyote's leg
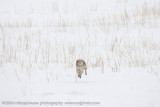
<point>79,73</point>
<point>85,71</point>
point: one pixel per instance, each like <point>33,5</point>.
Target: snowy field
<point>40,41</point>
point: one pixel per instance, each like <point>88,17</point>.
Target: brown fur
<point>81,67</point>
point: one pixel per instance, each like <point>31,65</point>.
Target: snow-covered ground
<point>123,89</point>
<point>40,41</point>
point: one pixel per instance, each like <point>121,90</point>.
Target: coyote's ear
<point>77,62</point>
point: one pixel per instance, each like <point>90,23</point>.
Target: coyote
<point>80,67</point>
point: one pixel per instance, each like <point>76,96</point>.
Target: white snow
<point>40,41</point>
